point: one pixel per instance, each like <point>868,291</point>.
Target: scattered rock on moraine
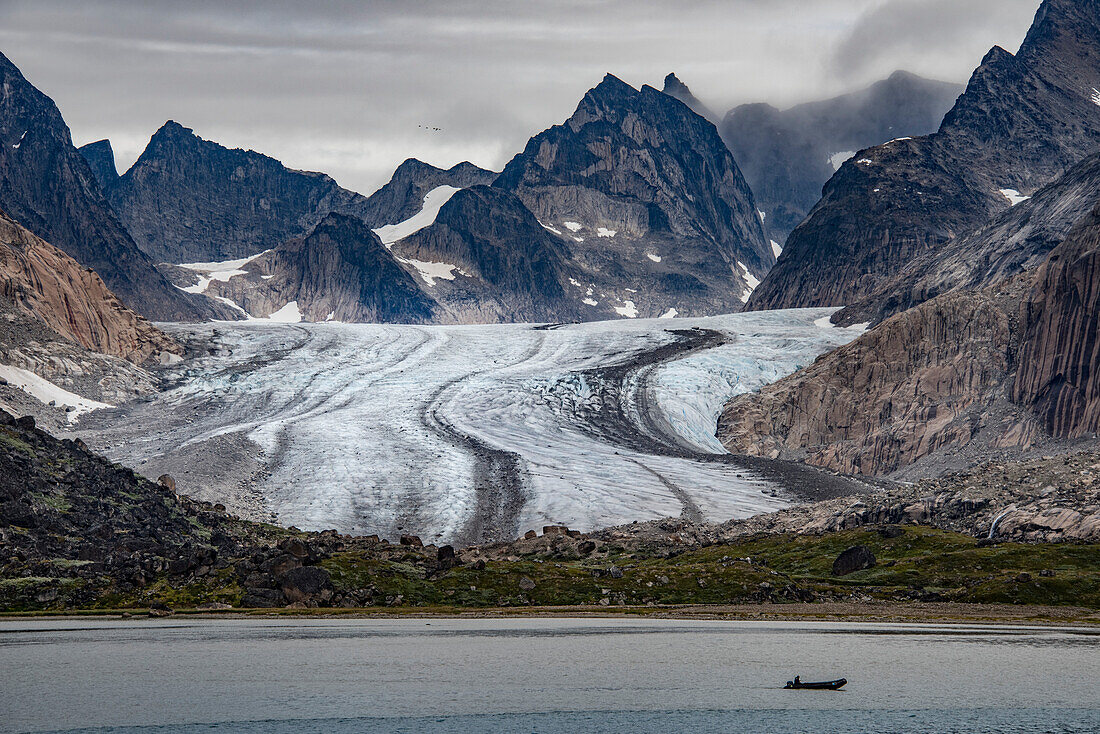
<point>856,558</point>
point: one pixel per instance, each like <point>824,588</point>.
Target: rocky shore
<point>80,533</point>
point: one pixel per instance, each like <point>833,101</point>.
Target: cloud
<point>939,38</point>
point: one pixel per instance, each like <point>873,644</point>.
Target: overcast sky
<point>353,88</point>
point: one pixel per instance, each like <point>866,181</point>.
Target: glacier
<point>465,434</point>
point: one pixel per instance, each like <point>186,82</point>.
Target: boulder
<point>856,558</point>
<point>262,598</point>
<point>412,541</point>
<point>527,584</point>
<point>166,481</point>
<point>555,530</point>
<point>309,585</point>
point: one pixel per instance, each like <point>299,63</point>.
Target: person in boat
<point>798,680</point>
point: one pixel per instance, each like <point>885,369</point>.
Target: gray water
<point>541,675</point>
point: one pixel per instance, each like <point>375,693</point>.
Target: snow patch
<point>16,146</point>
<point>46,392</point>
<point>605,232</point>
<point>1014,197</point>
<point>219,271</point>
<point>555,230</point>
<point>865,161</point>
<point>750,280</point>
<point>288,314</point>
<point>432,272</point>
<point>836,160</point>
<point>777,249</point>
<point>573,226</point>
<point>433,202</point>
<point>670,314</point>
<point>1095,96</point>
<point>590,302</point>
<point>897,140</point>
<point>653,257</point>
<point>628,309</point>
<point>579,239</point>
<point>763,216</point>
<point>825,322</point>
<point>573,281</point>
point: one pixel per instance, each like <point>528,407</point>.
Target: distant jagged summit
<point>187,199</point>
<point>788,155</point>
<point>101,158</point>
<point>657,180</point>
<point>678,90</point>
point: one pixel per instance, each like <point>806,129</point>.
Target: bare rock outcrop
<point>1059,373</point>
<point>48,187</point>
<point>997,368</point>
<point>920,381</point>
<point>45,283</point>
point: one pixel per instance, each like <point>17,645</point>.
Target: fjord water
<point>541,675</point>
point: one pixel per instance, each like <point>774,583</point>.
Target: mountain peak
<point>674,85</point>
<point>678,90</point>
<point>101,158</point>
<point>611,88</point>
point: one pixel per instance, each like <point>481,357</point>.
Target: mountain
<point>189,200</point>
<point>960,378</point>
<point>48,187</point>
<point>340,271</point>
<point>652,200</point>
<point>43,282</point>
<point>403,195</point>
<point>494,262</point>
<point>788,155</point>
<point>1022,122</point>
<point>1019,239</point>
<point>101,158</point>
<point>675,88</point>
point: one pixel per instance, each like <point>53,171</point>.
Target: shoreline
<point>1001,615</point>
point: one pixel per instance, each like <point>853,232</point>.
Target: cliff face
<point>1023,121</point>
<point>45,283</point>
<point>1017,240</point>
<point>969,371</point>
<point>340,271</point>
<point>1059,375</point>
<point>48,187</point>
<point>788,155</point>
<point>919,382</point>
<point>640,181</point>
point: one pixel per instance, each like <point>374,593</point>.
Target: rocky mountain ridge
<point>47,186</point>
<point>651,198</point>
<point>45,283</point>
<point>1008,367</point>
<point>1017,240</point>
